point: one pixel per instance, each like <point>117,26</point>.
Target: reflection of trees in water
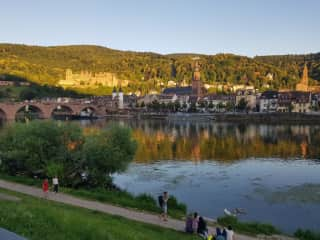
<point>159,140</point>
<point>199,141</point>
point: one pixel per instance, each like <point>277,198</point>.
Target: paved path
<point>7,235</point>
<point>105,208</point>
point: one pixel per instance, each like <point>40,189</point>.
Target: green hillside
<point>294,63</point>
<point>47,65</point>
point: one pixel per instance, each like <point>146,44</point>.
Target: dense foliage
<point>146,71</point>
<point>307,235</point>
<point>35,91</point>
<point>53,148</point>
<point>294,63</point>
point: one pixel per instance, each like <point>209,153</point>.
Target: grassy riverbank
<point>254,228</point>
<point>142,202</point>
<point>307,235</point>
<point>38,219</point>
<point>147,203</point>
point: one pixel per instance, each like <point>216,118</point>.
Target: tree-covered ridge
<point>147,71</point>
<point>294,63</point>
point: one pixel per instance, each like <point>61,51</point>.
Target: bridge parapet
<point>46,108</point>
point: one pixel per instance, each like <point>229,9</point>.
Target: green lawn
<point>120,198</point>
<point>37,219</point>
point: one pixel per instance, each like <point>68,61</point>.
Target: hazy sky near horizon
<point>246,27</point>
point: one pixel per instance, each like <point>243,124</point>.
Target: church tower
<point>303,85</point>
<point>304,79</point>
<point>196,80</point>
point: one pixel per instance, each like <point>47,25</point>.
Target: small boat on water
<point>235,212</point>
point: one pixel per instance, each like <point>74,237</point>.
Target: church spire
<point>196,79</point>
<point>304,79</point>
<point>303,84</point>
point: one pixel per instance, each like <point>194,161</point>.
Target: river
<point>271,171</point>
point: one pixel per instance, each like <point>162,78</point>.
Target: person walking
<point>163,201</point>
<point>45,188</point>
<point>55,183</point>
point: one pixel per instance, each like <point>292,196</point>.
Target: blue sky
<point>246,27</point>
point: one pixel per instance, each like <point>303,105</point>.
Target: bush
<point>307,235</point>
<point>248,227</point>
<point>174,204</point>
<point>48,148</point>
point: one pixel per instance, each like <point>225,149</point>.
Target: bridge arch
<point>29,111</point>
<point>3,115</point>
<point>88,111</point>
<point>62,111</point>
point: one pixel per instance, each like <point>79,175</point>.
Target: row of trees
<point>48,148</point>
<point>35,91</point>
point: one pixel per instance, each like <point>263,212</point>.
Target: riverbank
<point>11,216</point>
<point>39,219</point>
<point>272,118</point>
<point>117,197</point>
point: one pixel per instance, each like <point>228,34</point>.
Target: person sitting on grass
<point>195,222</point>
<point>189,222</point>
<point>230,233</point>
<point>219,235</point>
<point>202,228</point>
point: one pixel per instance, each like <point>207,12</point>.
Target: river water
<point>271,171</point>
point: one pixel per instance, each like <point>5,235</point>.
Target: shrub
<point>307,235</point>
<point>248,227</point>
<point>48,148</point>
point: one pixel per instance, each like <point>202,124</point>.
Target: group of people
<point>197,224</point>
<point>45,186</point>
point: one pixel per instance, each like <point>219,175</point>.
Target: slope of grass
<point>307,235</point>
<point>121,198</point>
<point>38,219</point>
<point>248,227</point>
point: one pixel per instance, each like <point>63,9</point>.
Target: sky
<point>244,27</point>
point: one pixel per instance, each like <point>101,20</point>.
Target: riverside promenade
<point>136,215</point>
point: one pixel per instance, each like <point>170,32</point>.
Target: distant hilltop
<point>98,69</point>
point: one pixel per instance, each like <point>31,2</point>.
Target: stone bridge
<point>9,110</point>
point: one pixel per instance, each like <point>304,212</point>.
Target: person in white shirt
<point>230,233</point>
<point>55,183</point>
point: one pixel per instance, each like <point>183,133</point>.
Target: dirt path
<point>106,208</point>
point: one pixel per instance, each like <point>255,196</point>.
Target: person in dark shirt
<point>202,228</point>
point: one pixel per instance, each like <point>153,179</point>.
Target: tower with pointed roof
<point>120,96</point>
<point>196,81</point>
<point>303,85</point>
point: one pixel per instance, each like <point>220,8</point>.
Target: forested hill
<point>47,65</point>
<point>294,63</point>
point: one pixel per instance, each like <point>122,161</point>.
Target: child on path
<point>45,188</point>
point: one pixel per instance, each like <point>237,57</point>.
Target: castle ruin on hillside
<point>86,79</point>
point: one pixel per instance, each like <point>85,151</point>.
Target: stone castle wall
<point>88,79</point>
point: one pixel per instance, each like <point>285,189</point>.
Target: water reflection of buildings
<point>161,140</point>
